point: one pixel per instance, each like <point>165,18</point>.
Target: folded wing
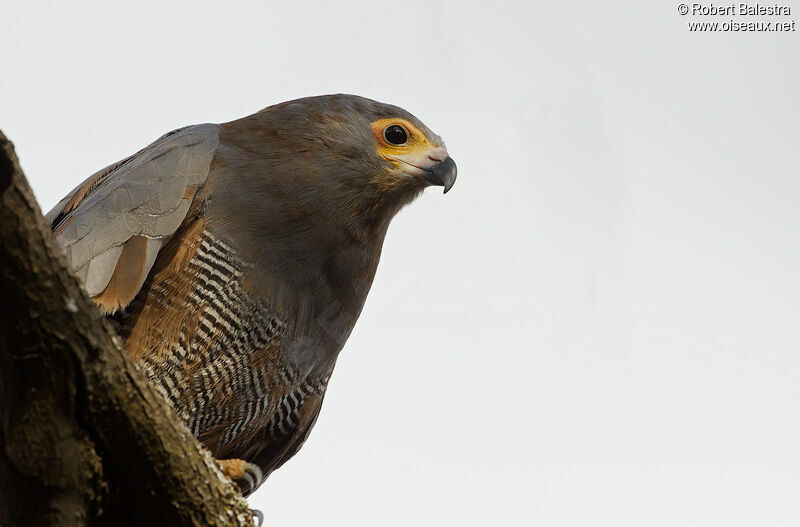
<point>112,225</point>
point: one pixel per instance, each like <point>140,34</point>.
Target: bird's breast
<point>214,352</point>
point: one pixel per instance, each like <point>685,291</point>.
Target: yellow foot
<point>247,475</point>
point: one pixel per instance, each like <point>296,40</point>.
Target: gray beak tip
<point>444,174</point>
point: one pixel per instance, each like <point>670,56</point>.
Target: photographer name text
<point>738,10</point>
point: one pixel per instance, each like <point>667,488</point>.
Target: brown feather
<point>159,322</point>
<point>127,278</point>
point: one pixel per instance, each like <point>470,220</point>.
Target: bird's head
<point>336,160</point>
<point>370,157</point>
<point>320,179</point>
<point>385,143</point>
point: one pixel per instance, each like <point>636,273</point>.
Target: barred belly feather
<point>214,353</point>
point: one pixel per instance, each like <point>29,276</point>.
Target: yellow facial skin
<point>416,155</point>
<point>416,139</point>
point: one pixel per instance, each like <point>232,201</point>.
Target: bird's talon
<point>246,475</point>
<point>259,516</point>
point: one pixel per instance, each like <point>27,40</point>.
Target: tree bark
<point>84,439</point>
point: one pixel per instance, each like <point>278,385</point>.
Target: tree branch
<point>84,439</point>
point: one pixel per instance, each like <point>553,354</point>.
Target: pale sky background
<point>597,326</point>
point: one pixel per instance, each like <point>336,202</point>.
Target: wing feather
<point>112,225</point>
<point>100,269</point>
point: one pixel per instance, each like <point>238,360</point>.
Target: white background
<point>597,326</point>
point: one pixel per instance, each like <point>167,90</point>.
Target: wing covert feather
<point>112,225</point>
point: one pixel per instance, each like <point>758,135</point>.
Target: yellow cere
<point>417,142</point>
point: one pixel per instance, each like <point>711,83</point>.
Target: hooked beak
<point>435,166</point>
<point>443,174</point>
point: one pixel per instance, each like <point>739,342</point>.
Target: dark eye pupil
<point>395,134</point>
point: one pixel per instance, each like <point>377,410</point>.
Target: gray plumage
<point>236,258</point>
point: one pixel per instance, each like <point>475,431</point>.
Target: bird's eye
<point>395,135</point>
